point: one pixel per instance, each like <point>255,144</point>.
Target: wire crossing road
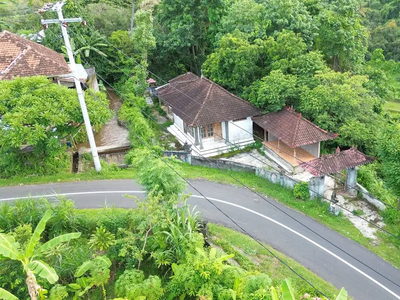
<point>260,219</point>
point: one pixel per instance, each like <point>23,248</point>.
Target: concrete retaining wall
<point>276,177</point>
<point>221,164</point>
<point>370,198</point>
<point>181,155</point>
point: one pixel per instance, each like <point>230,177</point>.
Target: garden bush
<point>301,191</point>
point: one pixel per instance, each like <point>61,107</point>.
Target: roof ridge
<point>182,76</point>
<point>204,102</point>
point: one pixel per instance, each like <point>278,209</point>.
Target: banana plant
<point>29,257</point>
<point>4,295</point>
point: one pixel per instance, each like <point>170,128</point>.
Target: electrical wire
<point>315,192</point>
<point>265,199</point>
<point>232,220</point>
<point>289,154</point>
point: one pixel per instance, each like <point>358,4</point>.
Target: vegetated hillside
<point>157,251</point>
<point>335,61</point>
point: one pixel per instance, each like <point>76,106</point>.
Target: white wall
<point>178,122</point>
<point>312,148</point>
<point>240,130</point>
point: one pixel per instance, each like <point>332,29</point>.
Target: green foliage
<point>291,15</point>
<point>132,285</point>
<point>272,92</point>
<point>4,295</point>
<point>108,18</point>
<point>43,118</point>
<point>234,64</point>
<point>341,37</point>
<point>182,29</point>
<point>98,274</point>
<point>155,175</point>
<point>391,216</point>
<point>389,151</point>
<point>58,292</point>
<point>10,249</point>
<point>301,191</point>
<point>371,177</point>
<point>247,16</point>
<point>102,239</point>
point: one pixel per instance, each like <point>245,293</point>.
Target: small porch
<point>207,141</point>
<point>293,156</point>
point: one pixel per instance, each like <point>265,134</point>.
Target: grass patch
<point>388,248</point>
<point>252,257</point>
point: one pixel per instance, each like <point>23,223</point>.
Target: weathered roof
<point>20,57</point>
<point>199,101</point>
<point>334,163</point>
<point>292,129</point>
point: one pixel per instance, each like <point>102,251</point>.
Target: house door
<point>217,128</point>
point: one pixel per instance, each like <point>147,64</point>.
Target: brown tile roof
<point>292,129</point>
<point>334,163</point>
<point>20,57</point>
<point>199,101</point>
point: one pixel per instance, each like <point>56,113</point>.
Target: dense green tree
<point>182,33</point>
<point>290,15</point>
<point>273,92</point>
<point>34,112</point>
<point>247,16</point>
<point>107,18</point>
<point>341,103</point>
<point>387,37</point>
<point>341,37</point>
<point>235,63</point>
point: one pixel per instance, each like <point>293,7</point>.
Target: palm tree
<point>29,257</point>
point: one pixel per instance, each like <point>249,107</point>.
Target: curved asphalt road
<point>260,219</point>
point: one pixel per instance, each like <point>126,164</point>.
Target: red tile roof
<point>199,101</point>
<point>292,129</point>
<point>20,57</point>
<point>334,163</point>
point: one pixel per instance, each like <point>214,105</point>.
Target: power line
<point>289,154</point>
<point>316,193</point>
<point>265,199</point>
<point>232,220</point>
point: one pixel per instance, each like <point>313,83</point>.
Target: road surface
<point>260,219</point>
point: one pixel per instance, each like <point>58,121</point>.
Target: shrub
<point>301,191</point>
<point>391,216</point>
<point>132,285</point>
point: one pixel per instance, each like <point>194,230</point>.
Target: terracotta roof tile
<point>291,128</point>
<point>20,57</point>
<point>199,101</point>
<point>334,163</point>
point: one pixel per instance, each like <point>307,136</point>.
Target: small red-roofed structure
<point>291,137</point>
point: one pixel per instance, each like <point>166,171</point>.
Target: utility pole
<point>57,7</point>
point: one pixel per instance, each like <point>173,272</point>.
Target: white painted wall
<point>178,122</point>
<point>240,130</point>
<point>312,148</point>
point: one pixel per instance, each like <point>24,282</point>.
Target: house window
<point>206,131</point>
